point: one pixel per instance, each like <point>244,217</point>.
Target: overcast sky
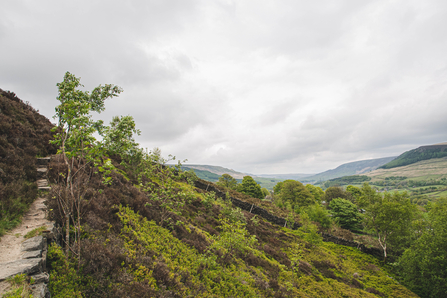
<point>257,86</point>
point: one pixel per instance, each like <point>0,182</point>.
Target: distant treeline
<point>415,155</point>
<point>208,176</point>
<point>346,180</point>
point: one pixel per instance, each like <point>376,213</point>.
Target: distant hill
<point>424,180</point>
<point>219,171</point>
<point>351,168</point>
<point>418,154</point>
<point>212,174</point>
<point>435,168</point>
<point>285,176</point>
<point>202,174</point>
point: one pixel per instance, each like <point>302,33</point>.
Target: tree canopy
<point>316,191</point>
<point>250,187</point>
<point>388,216</point>
<point>294,193</point>
<point>424,264</point>
<point>346,214</point>
<point>334,192</point>
<point>227,181</point>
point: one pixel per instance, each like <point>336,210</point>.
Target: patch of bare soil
<point>10,243</point>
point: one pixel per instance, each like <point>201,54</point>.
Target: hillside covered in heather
<point>24,134</point>
<point>132,227</point>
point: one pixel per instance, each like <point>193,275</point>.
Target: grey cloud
<point>278,112</point>
<point>267,86</point>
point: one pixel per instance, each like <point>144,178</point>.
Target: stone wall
<point>281,221</point>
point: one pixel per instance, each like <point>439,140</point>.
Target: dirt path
<point>10,243</point>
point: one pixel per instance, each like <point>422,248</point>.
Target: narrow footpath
<point>19,255</point>
<point>11,243</point>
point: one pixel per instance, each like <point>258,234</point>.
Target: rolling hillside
<point>150,231</point>
<point>24,134</point>
<point>219,171</point>
<point>435,168</point>
<point>286,176</point>
<point>424,180</point>
<point>348,169</point>
<point>418,154</point>
<point>212,174</point>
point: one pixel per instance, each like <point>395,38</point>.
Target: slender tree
<point>389,216</point>
<point>78,146</point>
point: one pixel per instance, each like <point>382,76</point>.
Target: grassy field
<point>433,172</point>
<point>423,170</point>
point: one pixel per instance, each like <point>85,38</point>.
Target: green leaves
<point>118,137</point>
<point>227,181</point>
<point>250,187</point>
<point>389,216</point>
<point>311,230</point>
<point>233,238</point>
<point>345,214</point>
<point>424,265</point>
<point>294,193</point>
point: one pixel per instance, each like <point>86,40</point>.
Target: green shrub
<point>20,287</point>
<point>345,213</point>
<point>64,280</point>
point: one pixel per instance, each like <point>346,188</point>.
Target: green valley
<point>130,225</point>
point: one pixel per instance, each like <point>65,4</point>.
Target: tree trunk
<point>67,233</point>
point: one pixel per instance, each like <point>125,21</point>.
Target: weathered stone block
<point>27,266</point>
<point>32,254</point>
<point>40,291</point>
<point>35,243</point>
<point>41,278</point>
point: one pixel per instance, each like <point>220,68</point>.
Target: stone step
<point>42,183</point>
<point>43,161</point>
<point>42,173</point>
<point>23,266</point>
<point>32,244</point>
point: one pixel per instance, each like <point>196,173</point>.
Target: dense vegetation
<point>405,233</point>
<point>346,180</point>
<point>424,264</point>
<point>132,227</point>
<point>418,154</point>
<point>24,134</point>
